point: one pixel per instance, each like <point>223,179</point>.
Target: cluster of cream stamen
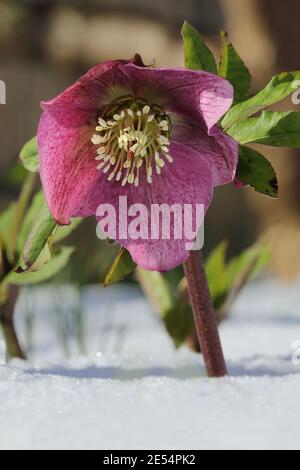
<point>132,136</point>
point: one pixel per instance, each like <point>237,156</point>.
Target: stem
<point>7,322</point>
<point>19,213</point>
<point>205,318</point>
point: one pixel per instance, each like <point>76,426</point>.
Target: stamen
<point>163,124</point>
<point>149,175</point>
<point>110,177</point>
<point>106,169</point>
<point>102,122</point>
<point>131,133</point>
<point>97,139</point>
<point>169,158</point>
<point>131,179</point>
<point>163,140</point>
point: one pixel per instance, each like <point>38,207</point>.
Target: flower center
<point>132,136</point>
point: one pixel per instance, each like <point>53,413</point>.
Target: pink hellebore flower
<point>150,134</point>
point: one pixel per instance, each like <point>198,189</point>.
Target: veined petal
<point>187,181</point>
<point>67,166</point>
<point>97,87</point>
<point>196,94</point>
<point>225,169</point>
<point>219,150</point>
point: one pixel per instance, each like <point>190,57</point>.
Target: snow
<point>132,390</point>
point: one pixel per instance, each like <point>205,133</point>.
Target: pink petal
<point>225,169</point>
<point>219,150</point>
<point>196,94</point>
<point>67,165</point>
<point>100,85</point>
<point>186,181</point>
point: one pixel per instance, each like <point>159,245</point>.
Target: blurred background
<point>46,44</point>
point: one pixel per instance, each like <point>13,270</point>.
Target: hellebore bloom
<point>150,134</point>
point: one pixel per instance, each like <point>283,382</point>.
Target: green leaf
<point>197,55</point>
<point>274,129</point>
<point>179,322</point>
<point>11,220</point>
<point>20,210</point>
<point>43,258</point>
<point>254,258</point>
<point>63,232</point>
<point>226,279</point>
<point>6,262</point>
<point>222,277</point>
<point>233,69</point>
<point>239,271</point>
<point>280,87</point>
<point>6,218</point>
<point>157,289</point>
<point>121,268</point>
<point>255,170</point>
<point>55,265</point>
<point>38,202</point>
<point>29,156</point>
<point>41,231</point>
<point>215,270</point>
<point>176,314</point>
<point>39,205</point>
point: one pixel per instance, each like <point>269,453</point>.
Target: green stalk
<point>20,210</point>
<point>7,310</point>
<point>156,290</point>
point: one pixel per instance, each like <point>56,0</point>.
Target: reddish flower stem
<point>205,318</point>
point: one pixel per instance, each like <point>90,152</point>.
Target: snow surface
<point>132,390</point>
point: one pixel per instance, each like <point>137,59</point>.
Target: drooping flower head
<point>149,134</point>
